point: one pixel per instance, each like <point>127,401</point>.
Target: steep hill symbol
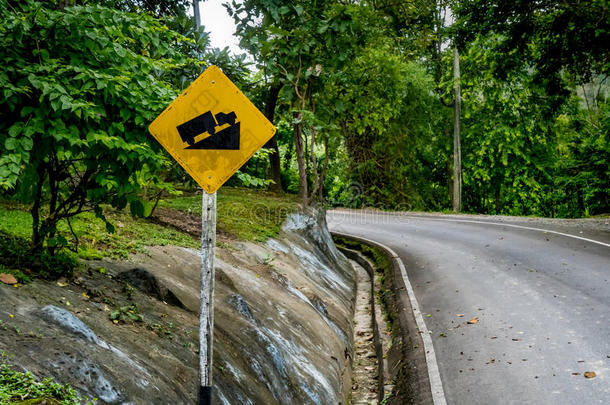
<point>225,139</point>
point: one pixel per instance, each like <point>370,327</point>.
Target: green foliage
<point>128,313</point>
<point>17,387</point>
<point>15,254</point>
<point>521,156</point>
<point>80,84</point>
<point>507,141</point>
<point>552,35</point>
<point>393,126</point>
<point>248,180</point>
<point>252,174</point>
<point>582,172</point>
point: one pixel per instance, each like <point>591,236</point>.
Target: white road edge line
<point>436,384</point>
<point>491,223</point>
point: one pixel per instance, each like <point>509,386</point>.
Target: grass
<point>130,236</point>
<point>243,213</point>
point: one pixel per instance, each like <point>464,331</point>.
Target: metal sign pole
<point>206,314</point>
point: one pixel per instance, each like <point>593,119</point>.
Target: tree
<point>509,141</point>
<point>295,42</point>
<point>553,35</point>
<point>81,83</point>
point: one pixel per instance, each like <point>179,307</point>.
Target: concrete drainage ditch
<point>372,336</point>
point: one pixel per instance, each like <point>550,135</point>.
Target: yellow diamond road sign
<point>212,129</point>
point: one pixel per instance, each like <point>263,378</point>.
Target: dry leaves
<point>590,374</point>
<point>8,279</point>
<point>473,320</point>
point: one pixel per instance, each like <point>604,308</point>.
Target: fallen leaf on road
<point>460,315</point>
<point>473,321</point>
<point>516,340</point>
<point>575,373</point>
<point>590,374</point>
<point>8,279</point>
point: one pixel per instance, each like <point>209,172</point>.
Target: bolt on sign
<point>212,129</point>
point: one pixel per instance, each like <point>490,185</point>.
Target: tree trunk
<point>314,164</point>
<point>499,199</point>
<point>274,158</point>
<point>37,236</point>
<point>323,171</point>
<point>457,153</point>
<point>298,146</point>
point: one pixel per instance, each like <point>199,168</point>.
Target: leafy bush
<point>17,387</point>
<point>15,253</point>
<point>125,314</point>
<point>80,84</point>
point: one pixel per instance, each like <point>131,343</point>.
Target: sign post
<point>206,313</point>
<point>211,129</point>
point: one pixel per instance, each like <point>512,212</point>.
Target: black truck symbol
<point>206,122</point>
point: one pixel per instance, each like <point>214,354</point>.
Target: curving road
<point>539,288</point>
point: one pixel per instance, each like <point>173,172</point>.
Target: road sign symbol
<point>211,129</point>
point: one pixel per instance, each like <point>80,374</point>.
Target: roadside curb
<point>436,384</point>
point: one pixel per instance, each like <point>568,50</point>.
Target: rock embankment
<point>126,332</point>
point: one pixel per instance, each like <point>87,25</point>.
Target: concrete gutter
<point>410,301</point>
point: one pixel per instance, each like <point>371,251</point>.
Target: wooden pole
<point>206,314</point>
<point>457,152</point>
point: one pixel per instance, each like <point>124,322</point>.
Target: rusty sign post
<point>211,129</point>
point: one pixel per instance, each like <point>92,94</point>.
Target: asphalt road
<point>542,301</point>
